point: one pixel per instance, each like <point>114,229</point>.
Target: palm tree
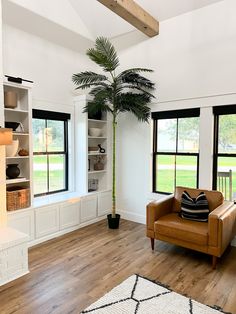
<point>114,93</point>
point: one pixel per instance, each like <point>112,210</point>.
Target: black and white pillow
<point>194,208</point>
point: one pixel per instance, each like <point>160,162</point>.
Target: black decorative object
<point>95,116</point>
<point>113,223</point>
<point>12,125</point>
<point>101,150</point>
<point>18,80</point>
<point>12,171</point>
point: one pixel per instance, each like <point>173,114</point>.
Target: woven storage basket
<point>18,198</point>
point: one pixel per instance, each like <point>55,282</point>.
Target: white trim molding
<point>132,216</point>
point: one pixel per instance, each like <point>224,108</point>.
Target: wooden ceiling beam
<point>134,14</point>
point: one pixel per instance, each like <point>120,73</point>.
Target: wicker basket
<point>18,198</point>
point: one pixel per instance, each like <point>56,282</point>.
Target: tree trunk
<point>114,169</point>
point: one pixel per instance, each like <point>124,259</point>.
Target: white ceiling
<point>102,22</point>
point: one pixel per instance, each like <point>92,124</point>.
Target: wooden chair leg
<point>152,243</point>
<point>214,262</point>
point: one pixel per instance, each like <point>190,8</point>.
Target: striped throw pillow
<point>194,208</point>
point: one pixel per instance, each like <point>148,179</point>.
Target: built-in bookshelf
<point>22,114</point>
<point>93,177</point>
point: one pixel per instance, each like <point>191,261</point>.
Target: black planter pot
<point>113,223</point>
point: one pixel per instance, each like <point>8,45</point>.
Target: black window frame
<point>56,116</point>
<point>174,114</point>
<point>219,111</point>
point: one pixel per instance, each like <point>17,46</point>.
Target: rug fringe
<point>218,308</point>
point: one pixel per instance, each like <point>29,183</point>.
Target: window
<point>50,150</point>
<point>175,149</point>
<point>224,166</point>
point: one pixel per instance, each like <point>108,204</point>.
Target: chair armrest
<point>221,225</point>
<point>157,209</point>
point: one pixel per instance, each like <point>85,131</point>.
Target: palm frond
<point>135,79</point>
<point>95,106</point>
<point>101,89</point>
<point>132,70</point>
<point>135,70</point>
<point>102,97</point>
<point>136,103</point>
<point>104,54</point>
<point>88,77</point>
<point>85,86</point>
<point>134,87</point>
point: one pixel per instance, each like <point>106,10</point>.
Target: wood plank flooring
<point>69,273</point>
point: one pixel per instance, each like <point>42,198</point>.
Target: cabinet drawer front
<point>88,208</point>
<point>23,222</point>
<point>16,254</point>
<point>46,221</point>
<point>104,203</point>
<point>69,215</point>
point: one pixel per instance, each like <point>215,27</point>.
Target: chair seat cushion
<point>173,226</point>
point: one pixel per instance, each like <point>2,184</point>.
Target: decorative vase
<point>10,99</point>
<point>12,171</point>
<point>12,149</point>
<point>98,166</point>
<point>96,132</point>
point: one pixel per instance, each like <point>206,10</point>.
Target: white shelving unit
<point>55,215</point>
<point>22,114</point>
<point>86,158</point>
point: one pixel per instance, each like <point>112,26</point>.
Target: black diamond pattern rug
<point>138,295</point>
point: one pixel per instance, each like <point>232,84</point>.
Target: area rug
<point>138,295</point>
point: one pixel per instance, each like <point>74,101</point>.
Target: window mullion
<point>216,155</point>
<point>48,174</point>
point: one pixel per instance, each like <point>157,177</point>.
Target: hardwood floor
<point>69,273</point>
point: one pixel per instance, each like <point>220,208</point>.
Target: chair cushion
<point>214,198</point>
<point>173,226</point>
<point>194,208</point>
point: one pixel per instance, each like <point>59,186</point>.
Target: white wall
<point>194,63</point>
<point>50,66</point>
<point>58,24</point>
<point>62,14</point>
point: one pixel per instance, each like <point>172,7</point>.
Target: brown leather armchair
<point>213,237</point>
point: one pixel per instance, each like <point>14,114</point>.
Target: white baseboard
<point>16,276</point>
<point>132,216</point>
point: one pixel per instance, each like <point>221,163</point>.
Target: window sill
<point>54,198</point>
<point>61,197</point>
